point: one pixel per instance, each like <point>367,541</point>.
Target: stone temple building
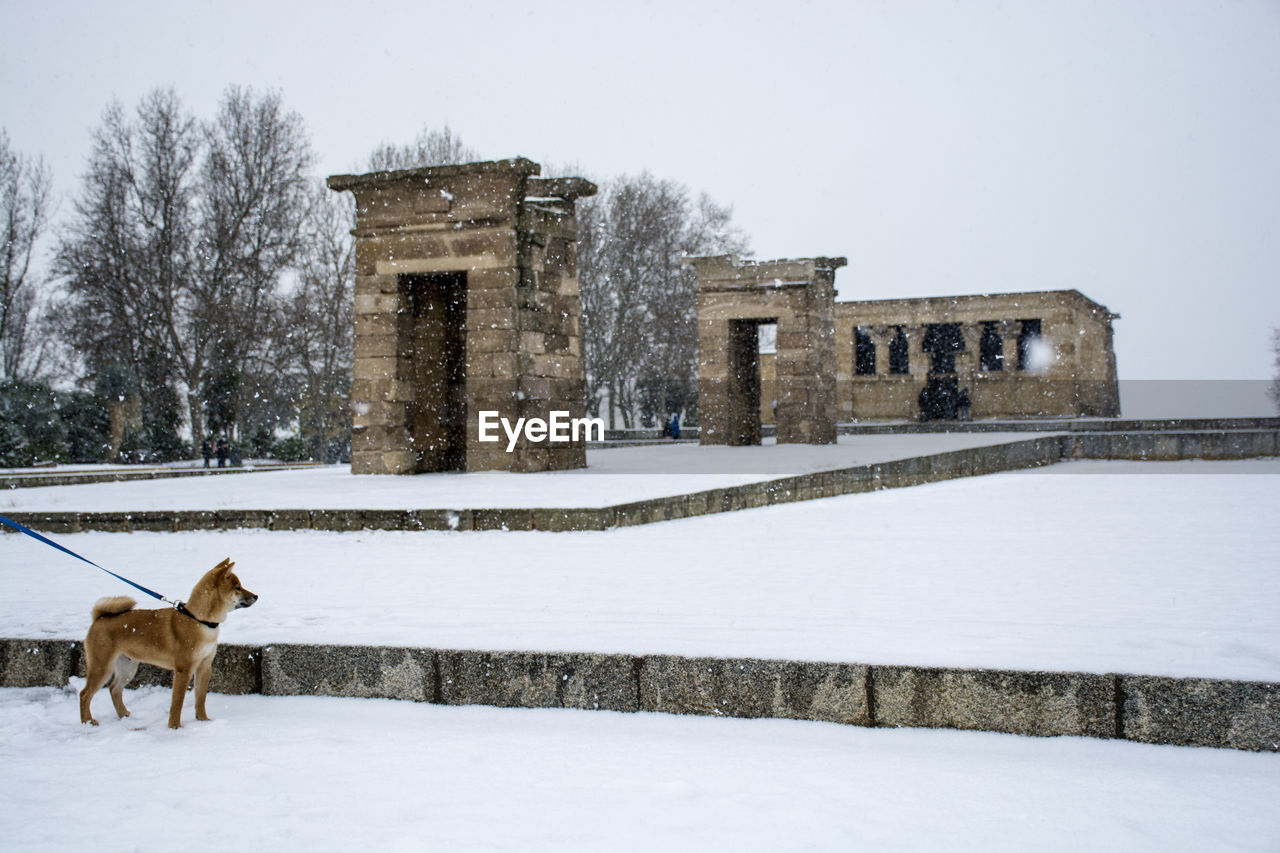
<point>467,311</point>
<point>1016,355</point>
<point>1010,355</point>
<point>466,301</point>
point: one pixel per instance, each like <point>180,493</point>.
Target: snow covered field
<point>301,773</point>
<point>1153,568</point>
<point>613,475</point>
<point>1091,566</point>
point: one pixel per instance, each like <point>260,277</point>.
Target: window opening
<point>899,354</point>
<point>864,358</point>
<point>1031,331</point>
<point>942,341</point>
<point>991,349</point>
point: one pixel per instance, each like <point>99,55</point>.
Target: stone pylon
<point>736,297</point>
<point>466,300</point>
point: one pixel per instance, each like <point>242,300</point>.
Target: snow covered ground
<point>1157,568</point>
<point>302,773</point>
<point>614,475</point>
<point>1150,568</point>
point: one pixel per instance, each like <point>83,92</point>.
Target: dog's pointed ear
<point>225,566</point>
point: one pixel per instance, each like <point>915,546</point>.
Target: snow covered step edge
<point>73,477</point>
<point>899,473</point>
<point>1150,709</point>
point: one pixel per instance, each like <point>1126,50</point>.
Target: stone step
<point>36,479</point>
<point>975,461</point>
<point>1149,709</point>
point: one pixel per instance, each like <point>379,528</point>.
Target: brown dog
<point>183,640</point>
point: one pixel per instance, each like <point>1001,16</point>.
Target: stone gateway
<point>735,298</point>
<point>466,300</point>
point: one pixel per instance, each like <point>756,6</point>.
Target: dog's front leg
<point>181,680</point>
<point>204,671</point>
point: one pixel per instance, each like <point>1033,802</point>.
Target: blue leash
<point>21,529</point>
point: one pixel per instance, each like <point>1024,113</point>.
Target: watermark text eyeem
<point>558,429</point>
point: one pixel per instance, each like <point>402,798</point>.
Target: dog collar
<point>182,608</point>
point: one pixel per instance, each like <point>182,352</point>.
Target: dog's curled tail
<point>113,606</point>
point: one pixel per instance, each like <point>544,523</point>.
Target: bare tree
<point>639,303</point>
<point>181,236</point>
<point>24,208</point>
<point>126,259</point>
<point>431,148</point>
<point>318,317</point>
<point>255,192</point>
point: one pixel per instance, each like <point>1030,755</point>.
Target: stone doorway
<point>436,338</point>
<point>744,381</point>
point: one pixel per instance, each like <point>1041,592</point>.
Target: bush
<point>261,442</point>
<point>88,423</point>
<point>161,418</point>
<point>31,430</point>
<point>293,448</point>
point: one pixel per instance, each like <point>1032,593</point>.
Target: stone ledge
<point>39,663</point>
<point>1149,709</point>
<point>791,690</point>
<point>367,672</point>
<point>1024,703</point>
<point>36,479</point>
<point>1167,446</point>
<point>538,680</point>
<point>50,663</point>
<point>1074,425</point>
<point>1202,712</point>
<point>898,473</point>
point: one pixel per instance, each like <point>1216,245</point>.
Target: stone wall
<point>1155,445</point>
<point>466,299</point>
<point>898,473</point>
<point>1079,378</point>
<point>1150,709</point>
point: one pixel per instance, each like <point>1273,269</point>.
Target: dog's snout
<point>247,599</point>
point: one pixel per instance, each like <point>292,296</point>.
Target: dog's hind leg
<point>124,670</point>
<point>204,671</point>
<point>181,681</point>
<point>97,671</point>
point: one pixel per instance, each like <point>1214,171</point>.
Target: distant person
<point>223,450</point>
<point>206,449</point>
<point>675,426</point>
<point>962,403</point>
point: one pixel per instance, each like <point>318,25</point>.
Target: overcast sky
<point>1127,149</point>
